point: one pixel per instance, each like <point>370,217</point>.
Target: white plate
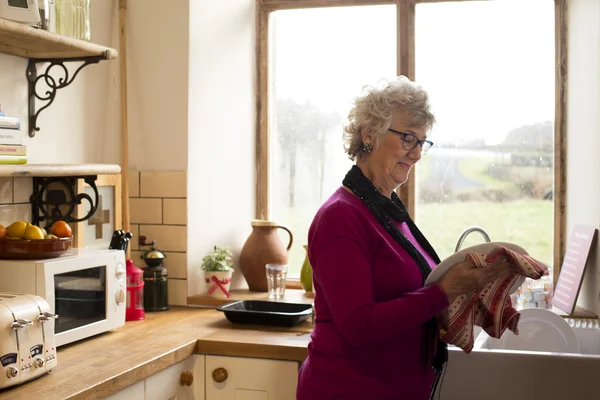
<point>461,256</point>
<point>539,330</point>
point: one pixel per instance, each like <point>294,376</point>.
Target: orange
<point>61,229</point>
<point>2,231</point>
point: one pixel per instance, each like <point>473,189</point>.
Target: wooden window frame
<point>406,66</point>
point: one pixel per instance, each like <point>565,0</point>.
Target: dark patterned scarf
<point>386,209</point>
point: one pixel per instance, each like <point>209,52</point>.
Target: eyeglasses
<point>410,141</point>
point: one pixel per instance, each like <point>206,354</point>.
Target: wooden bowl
<point>33,249</point>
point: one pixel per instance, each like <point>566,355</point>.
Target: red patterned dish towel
<point>491,306</point>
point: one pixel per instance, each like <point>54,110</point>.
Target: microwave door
<point>80,298</point>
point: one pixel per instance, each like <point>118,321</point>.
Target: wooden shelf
<point>24,41</point>
<point>56,170</point>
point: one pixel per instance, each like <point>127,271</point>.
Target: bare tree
<point>302,129</point>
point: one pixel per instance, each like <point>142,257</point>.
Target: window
<point>493,93</point>
<point>320,60</point>
<point>492,73</point>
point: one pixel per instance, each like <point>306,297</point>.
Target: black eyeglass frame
<point>418,142</point>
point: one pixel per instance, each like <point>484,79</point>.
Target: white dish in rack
<point>539,330</point>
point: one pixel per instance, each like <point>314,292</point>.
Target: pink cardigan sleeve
<point>359,319</point>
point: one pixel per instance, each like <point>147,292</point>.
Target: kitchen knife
<point>114,242</point>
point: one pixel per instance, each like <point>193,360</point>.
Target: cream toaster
<point>27,347</point>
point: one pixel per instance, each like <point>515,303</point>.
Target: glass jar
<point>156,289</point>
<point>73,18</point>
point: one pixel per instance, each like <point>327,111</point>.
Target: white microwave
<point>86,288</point>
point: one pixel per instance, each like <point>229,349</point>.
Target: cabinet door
<point>135,391</point>
<point>238,378</point>
<point>181,381</point>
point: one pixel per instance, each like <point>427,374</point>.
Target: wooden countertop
<point>99,366</point>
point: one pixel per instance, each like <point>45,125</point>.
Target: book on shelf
<point>12,137</point>
<point>13,150</point>
<point>10,122</point>
<point>13,159</point>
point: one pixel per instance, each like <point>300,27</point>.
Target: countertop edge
<point>265,351</point>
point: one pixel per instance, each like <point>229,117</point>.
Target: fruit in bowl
<point>20,230</point>
<point>24,240</point>
<point>61,229</point>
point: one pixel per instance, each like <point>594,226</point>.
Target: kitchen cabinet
<point>208,377</point>
<point>240,378</point>
<point>181,381</point>
<point>135,391</point>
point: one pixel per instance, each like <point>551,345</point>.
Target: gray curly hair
<point>375,107</point>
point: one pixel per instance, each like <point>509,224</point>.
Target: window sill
<point>291,296</point>
<point>579,313</point>
<point>293,284</point>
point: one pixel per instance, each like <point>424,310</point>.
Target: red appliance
<point>135,292</point>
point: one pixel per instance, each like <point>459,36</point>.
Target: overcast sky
<point>488,65</point>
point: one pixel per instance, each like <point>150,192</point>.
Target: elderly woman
<point>375,334</point>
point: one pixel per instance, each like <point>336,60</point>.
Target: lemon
<point>33,232</point>
<point>50,237</point>
<point>17,229</point>
<point>44,231</point>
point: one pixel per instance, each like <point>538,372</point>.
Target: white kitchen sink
<point>515,375</point>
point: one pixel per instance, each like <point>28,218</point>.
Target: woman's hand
<point>465,277</point>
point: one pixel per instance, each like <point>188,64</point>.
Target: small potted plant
<point>217,267</point>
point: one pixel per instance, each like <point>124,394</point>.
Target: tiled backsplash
<point>158,209</point>
<point>14,200</point>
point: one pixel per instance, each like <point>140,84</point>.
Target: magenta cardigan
<point>370,308</point>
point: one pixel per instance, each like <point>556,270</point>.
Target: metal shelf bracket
<point>56,198</point>
<point>44,86</point>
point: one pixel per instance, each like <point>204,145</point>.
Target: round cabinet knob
<point>120,296</point>
<point>12,372</point>
<point>186,378</point>
<point>39,362</point>
<point>220,375</point>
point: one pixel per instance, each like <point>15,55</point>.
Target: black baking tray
<point>266,312</point>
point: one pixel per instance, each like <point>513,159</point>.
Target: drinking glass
<point>276,275</point>
<point>73,18</point>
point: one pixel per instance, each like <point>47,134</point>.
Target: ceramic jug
<point>262,247</point>
<point>306,273</point>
